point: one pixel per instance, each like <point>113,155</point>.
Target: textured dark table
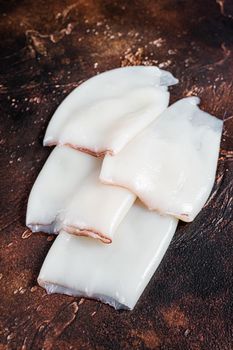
<point>47,48</point>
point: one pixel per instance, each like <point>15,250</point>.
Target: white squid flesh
<point>114,273</point>
<point>67,193</point>
<point>170,165</point>
<point>104,113</point>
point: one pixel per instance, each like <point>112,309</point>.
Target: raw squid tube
<point>171,165</point>
<point>103,114</point>
<point>68,194</point>
<point>116,273</point>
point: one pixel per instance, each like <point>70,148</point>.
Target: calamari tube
<point>116,273</point>
<point>171,165</point>
<point>68,194</point>
<point>104,113</point>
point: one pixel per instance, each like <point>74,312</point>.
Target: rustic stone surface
<point>46,49</point>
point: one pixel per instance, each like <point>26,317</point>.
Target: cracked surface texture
<point>46,49</point>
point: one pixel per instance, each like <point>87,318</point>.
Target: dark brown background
<point>47,48</point>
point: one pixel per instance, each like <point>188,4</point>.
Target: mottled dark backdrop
<point>46,49</point>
